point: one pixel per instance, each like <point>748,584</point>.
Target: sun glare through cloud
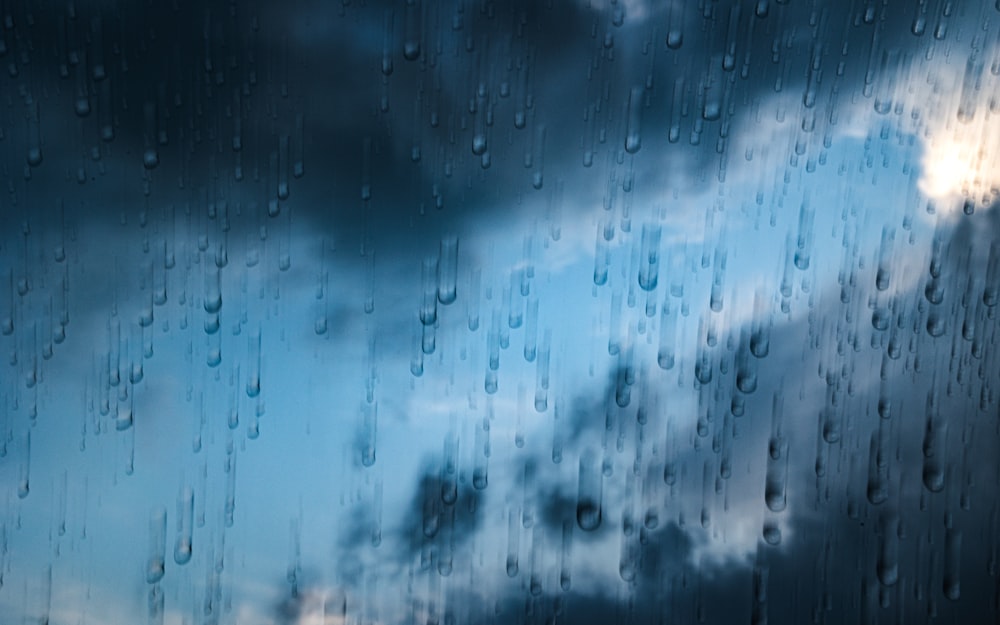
<point>961,154</point>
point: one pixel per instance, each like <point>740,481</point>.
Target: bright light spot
<point>961,157</point>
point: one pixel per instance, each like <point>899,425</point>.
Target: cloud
<point>314,606</point>
<point>445,514</point>
<point>960,161</point>
<point>948,103</point>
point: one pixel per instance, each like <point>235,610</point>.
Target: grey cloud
<point>208,67</point>
<point>445,514</point>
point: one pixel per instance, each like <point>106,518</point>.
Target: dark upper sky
<point>304,105</point>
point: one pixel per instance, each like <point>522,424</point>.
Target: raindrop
<point>589,497</point>
<point>665,354</point>
<point>934,292</point>
<point>633,128</point>
<point>531,330</point>
<point>971,86</point>
<point>387,28</point>
<point>933,447</point>
<point>951,583</point>
<point>412,30</point>
<point>649,257</point>
<point>369,432</point>
<point>449,472</point>
<point>513,541</point>
<point>156,604</point>
<point>34,156</point>
<point>254,358</point>
<point>429,279</point>
<point>542,373</point>
<point>150,157</point>
<point>746,368</point>
<point>992,284</point>
<point>884,272</point>
<point>480,468</point>
<point>777,474</point>
<point>24,468</point>
<point>213,289</point>
<point>888,554</point>
<point>772,533</point>
<point>675,36</point>
<point>602,258</point>
<point>804,239</point>
<point>282,166</point>
<point>185,525</point>
<point>229,507</point>
<point>447,268</point>
<point>878,471</point>
<point>760,334</point>
<point>155,564</point>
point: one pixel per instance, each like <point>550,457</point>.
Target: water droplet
<point>254,356</point>
<point>24,468</point>
<point>772,533</point>
<point>34,156</point>
<point>887,565</point>
<point>589,497</point>
<point>633,127</point>
<point>479,144</point>
<point>951,581</point>
<point>649,257</point>
<point>150,158</point>
<point>429,279</point>
<point>185,525</point>
<point>369,433</point>
<point>447,270</point>
<point>777,472</point>
<point>513,542</point>
<point>878,472</point>
<point>156,562</point>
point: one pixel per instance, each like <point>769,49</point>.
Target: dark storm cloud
<point>868,428</point>
<point>674,591</point>
<point>663,551</point>
<point>830,571</point>
<point>851,562</point>
<point>191,78</point>
<point>445,513</point>
<point>302,83</point>
<point>434,531</point>
<point>864,429</point>
<point>591,416</point>
<point>558,506</point>
<point>356,536</point>
<point>837,526</point>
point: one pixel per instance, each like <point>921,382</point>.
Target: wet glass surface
<point>499,312</point>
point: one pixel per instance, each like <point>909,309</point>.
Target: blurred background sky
<point>499,312</point>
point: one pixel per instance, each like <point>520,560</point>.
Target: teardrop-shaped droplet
<point>156,562</point>
<point>185,527</point>
<point>951,581</point>
<point>589,496</point>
